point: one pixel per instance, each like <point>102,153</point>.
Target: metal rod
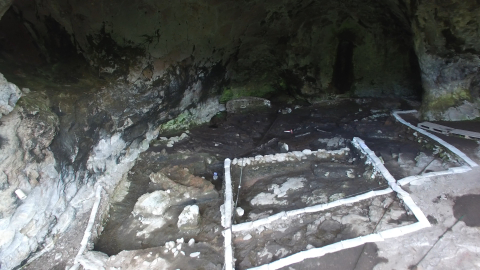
<point>238,192</point>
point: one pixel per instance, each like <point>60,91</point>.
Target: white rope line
<point>450,147</point>
<point>88,230</point>
<point>394,186</point>
<point>312,209</point>
<point>375,237</point>
<point>227,217</point>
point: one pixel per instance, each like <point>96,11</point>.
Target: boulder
<point>93,260</point>
<point>189,218</point>
<point>9,95</point>
<point>155,203</point>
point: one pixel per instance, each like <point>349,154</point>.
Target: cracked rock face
<point>9,95</point>
<point>57,148</point>
<point>448,52</point>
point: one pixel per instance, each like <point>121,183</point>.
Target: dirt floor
<point>332,125</point>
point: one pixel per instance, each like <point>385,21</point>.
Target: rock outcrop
<point>57,148</point>
<point>9,95</point>
<point>448,49</point>
<point>310,49</point>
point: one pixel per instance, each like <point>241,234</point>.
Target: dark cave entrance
<point>343,76</point>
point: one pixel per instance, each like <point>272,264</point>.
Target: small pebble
<point>247,237</point>
<point>194,254</point>
<point>240,211</point>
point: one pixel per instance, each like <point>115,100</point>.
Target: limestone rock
<point>247,104</point>
<point>189,218</point>
<point>194,254</point>
<point>9,94</point>
<point>180,181</point>
<point>155,203</point>
<point>93,260</point>
<point>333,143</point>
<point>240,211</point>
<point>447,49</point>
<point>4,6</point>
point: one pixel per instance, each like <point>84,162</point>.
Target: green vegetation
<point>181,122</point>
<point>450,100</point>
<point>262,91</point>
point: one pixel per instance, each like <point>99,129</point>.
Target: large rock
<point>27,163</point>
<point>189,218</point>
<point>9,92</point>
<point>93,260</point>
<point>182,183</point>
<point>447,45</point>
<point>155,203</point>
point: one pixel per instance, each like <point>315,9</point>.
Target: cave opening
<point>343,76</point>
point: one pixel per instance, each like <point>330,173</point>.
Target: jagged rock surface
<point>448,49</point>
<point>9,95</point>
<point>58,148</point>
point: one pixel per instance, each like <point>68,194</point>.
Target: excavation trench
<point>187,167</point>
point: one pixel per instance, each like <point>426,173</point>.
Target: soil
<point>363,257</point>
<point>321,182</point>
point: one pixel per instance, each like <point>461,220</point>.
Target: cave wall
<point>4,6</point>
<point>447,43</point>
<point>266,46</point>
<point>57,149</point>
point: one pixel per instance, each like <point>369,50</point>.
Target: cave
<point>120,106</point>
<point>343,69</point>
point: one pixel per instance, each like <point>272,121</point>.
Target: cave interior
<point>105,86</point>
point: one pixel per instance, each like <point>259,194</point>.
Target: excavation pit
<point>283,182</point>
<point>287,236</point>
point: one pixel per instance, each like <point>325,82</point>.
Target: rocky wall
<point>58,146</point>
<point>306,49</point>
<point>448,48</point>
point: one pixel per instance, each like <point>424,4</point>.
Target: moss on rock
<point>434,107</point>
